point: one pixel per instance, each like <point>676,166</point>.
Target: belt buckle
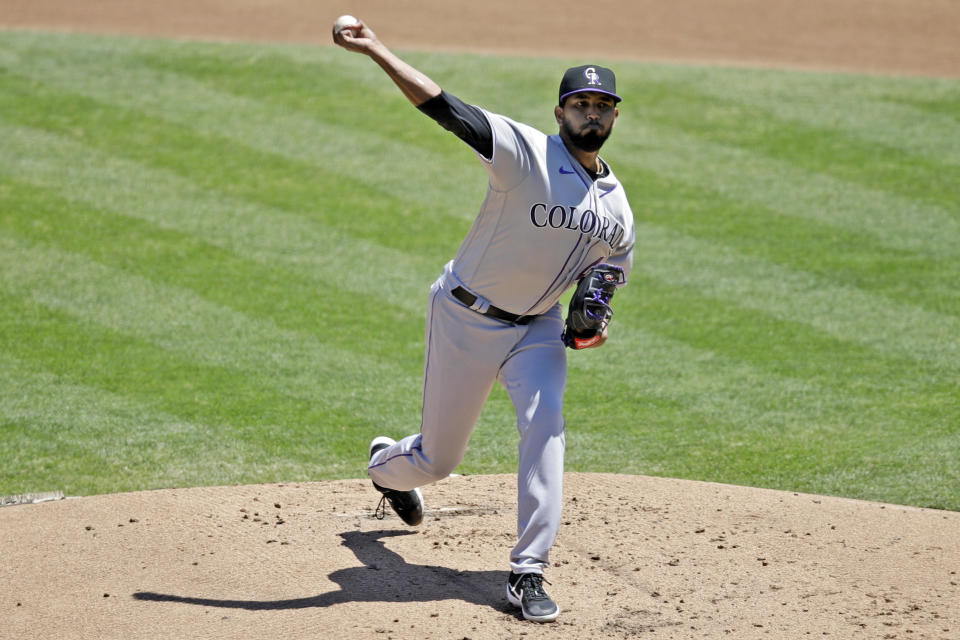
<point>481,306</point>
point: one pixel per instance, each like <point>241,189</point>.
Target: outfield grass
<point>214,263</point>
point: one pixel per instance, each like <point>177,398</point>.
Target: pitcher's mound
<point>635,556</point>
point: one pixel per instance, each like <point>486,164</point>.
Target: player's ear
<point>558,114</point>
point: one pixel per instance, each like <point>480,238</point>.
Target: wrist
<point>381,54</point>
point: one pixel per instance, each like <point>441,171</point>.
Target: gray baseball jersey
<point>543,222</point>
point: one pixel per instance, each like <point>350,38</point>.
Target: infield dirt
<point>636,556</point>
<point>881,36</point>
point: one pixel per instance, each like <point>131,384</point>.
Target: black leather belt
<point>468,299</point>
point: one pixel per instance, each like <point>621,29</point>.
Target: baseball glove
<point>589,311</point>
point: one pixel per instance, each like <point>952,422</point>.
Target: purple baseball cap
<point>589,77</point>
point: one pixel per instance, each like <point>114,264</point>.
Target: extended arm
<point>416,86</point>
<point>465,121</point>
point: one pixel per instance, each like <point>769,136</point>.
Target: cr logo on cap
<point>592,75</point>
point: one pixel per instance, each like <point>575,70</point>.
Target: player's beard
<point>589,138</point>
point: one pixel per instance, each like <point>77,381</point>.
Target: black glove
<point>589,311</point>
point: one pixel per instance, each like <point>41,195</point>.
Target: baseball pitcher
<point>555,217</point>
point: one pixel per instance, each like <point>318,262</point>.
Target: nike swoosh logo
<point>567,173</point>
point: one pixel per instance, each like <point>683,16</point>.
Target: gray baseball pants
<point>466,353</point>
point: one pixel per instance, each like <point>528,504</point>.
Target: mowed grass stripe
<point>816,148</point>
<point>277,367</point>
<point>227,166</point>
<point>921,471</point>
<point>340,155</point>
<point>745,377</point>
<point>842,254</point>
<point>889,113</point>
<point>690,409</point>
<point>274,436</point>
<point>326,310</point>
<point>343,92</point>
<point>770,343</point>
<point>845,312</point>
<point>738,174</point>
<point>818,462</point>
<point>250,439</point>
<point>252,231</point>
<point>78,438</point>
<point>325,83</point>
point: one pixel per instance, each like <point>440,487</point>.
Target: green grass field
<point>214,264</point>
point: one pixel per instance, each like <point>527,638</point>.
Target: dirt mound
<point>634,555</point>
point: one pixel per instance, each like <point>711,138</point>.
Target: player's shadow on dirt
<point>385,577</point>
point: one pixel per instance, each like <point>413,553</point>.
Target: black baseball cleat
<point>525,590</point>
<point>406,504</point>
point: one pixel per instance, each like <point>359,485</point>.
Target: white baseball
<point>343,22</point>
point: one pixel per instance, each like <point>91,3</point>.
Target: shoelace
<point>534,589</point>
<point>397,499</point>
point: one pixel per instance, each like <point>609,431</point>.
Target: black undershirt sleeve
<point>470,124</point>
<point>463,120</point>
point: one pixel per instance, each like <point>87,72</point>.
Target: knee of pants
<point>439,467</point>
<point>441,472</point>
<point>544,416</point>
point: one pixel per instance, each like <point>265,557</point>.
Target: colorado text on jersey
<point>586,222</point>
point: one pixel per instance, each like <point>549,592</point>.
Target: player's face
<point>586,119</point>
